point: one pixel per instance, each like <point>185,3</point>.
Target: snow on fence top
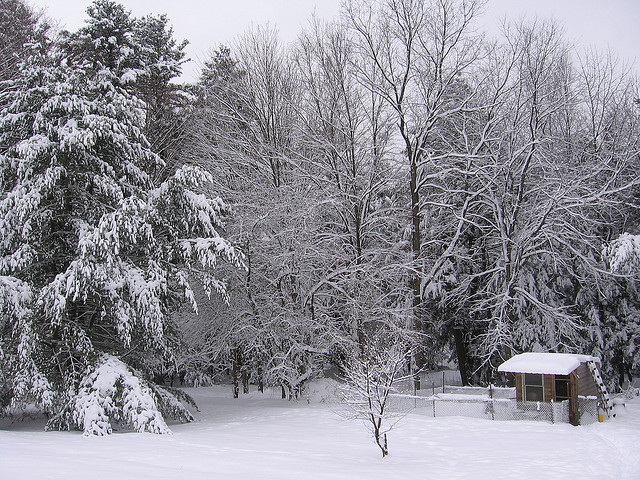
<point>545,363</point>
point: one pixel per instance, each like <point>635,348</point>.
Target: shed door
<point>562,387</point>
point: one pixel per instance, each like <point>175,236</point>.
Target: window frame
<point>527,384</point>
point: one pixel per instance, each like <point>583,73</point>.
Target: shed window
<point>533,390</point>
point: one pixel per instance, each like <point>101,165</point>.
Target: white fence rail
<point>495,408</point>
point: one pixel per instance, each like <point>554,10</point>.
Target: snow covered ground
<point>261,436</point>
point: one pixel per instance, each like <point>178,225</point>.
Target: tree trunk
<point>382,443</point>
<point>260,381</point>
<point>235,372</point>
<point>245,381</point>
<point>461,353</point>
<point>416,244</point>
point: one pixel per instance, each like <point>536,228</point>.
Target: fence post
<point>434,407</point>
<point>413,389</point>
<point>493,414</point>
<point>443,381</point>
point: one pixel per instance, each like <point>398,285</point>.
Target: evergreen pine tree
<point>93,256</point>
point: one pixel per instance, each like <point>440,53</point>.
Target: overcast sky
<point>613,24</point>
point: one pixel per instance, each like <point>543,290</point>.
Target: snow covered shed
<point>555,377</point>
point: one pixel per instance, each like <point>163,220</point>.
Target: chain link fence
<point>495,408</point>
<point>588,410</point>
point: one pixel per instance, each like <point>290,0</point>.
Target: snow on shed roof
<point>545,363</point>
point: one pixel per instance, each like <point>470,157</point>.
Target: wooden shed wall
<point>586,385</point>
<point>582,379</point>
<point>549,384</point>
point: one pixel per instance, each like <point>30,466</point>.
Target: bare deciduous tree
<point>418,52</point>
<point>370,379</point>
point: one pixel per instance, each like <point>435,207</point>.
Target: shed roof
<point>545,363</point>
